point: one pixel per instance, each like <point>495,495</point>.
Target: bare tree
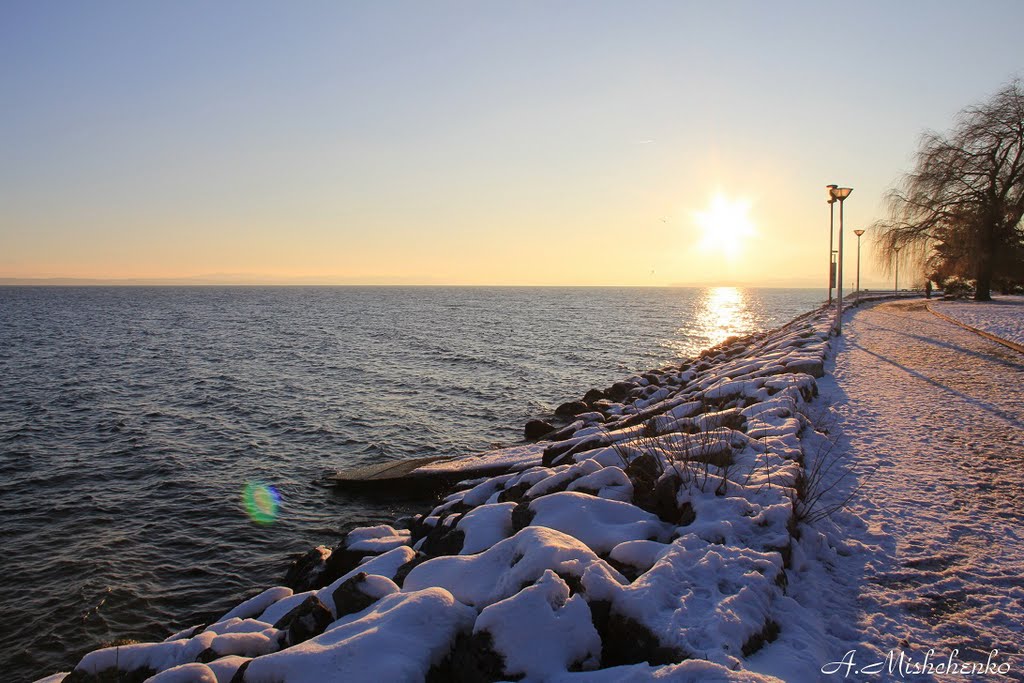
<point>959,211</point>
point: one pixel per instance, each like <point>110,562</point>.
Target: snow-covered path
<point>940,412</point>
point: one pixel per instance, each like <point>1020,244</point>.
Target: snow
<point>225,667</point>
<point>397,639</point>
<point>561,476</point>
<point>927,417</point>
<point>1003,316</point>
<point>705,600</point>
<point>376,539</point>
<point>609,482</point>
<point>185,673</point>
<point>599,523</point>
<point>258,603</point>
<point>692,671</point>
<point>484,526</point>
<point>540,631</point>
<point>513,458</point>
<point>279,609</point>
<point>155,656</point>
<point>500,571</point>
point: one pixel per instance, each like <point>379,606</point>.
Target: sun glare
<point>725,226</point>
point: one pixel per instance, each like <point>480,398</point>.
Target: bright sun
<point>725,225</point>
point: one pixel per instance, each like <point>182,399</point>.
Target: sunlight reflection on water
<point>721,313</point>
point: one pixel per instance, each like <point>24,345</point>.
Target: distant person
<point>928,289</point>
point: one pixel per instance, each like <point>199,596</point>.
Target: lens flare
<point>261,502</point>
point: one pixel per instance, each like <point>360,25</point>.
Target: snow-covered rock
<point>399,639</point>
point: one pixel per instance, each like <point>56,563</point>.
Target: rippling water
<point>131,420</point>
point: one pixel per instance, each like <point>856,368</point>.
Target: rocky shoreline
<point>647,531</point>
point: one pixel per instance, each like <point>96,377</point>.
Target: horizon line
<point>186,282</point>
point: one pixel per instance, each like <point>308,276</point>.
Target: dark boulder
<point>814,368</point>
<point>619,391</point>
<point>306,621</point>
<point>522,515</point>
<point>571,408</point>
<point>473,659</point>
<point>625,641</point>
<point>652,379</point>
<point>404,570</point>
<point>514,494</point>
<point>594,395</point>
<point>239,676</point>
<point>766,635</point>
<point>536,429</point>
<point>305,570</point>
<point>341,562</point>
<point>349,597</point>
<point>443,539</point>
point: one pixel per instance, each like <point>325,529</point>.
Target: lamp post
<point>896,285</point>
<point>858,233</point>
<point>831,229</point>
<point>840,194</point>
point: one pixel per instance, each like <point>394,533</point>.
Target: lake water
<point>132,419</point>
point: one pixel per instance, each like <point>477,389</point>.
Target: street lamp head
<point>841,193</point>
<point>858,233</point>
<point>831,197</point>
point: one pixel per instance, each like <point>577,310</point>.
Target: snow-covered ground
<point>690,526</point>
<point>1003,316</point>
<point>931,425</point>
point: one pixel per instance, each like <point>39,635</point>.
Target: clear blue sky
<point>487,143</point>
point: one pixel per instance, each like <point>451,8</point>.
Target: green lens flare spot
<point>261,502</point>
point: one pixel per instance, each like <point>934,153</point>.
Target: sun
<point>726,225</point>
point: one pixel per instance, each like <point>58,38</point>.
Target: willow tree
<point>959,211</point>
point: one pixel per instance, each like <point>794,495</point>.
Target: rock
<point>305,570</point>
<point>625,641</point>
<point>306,621</point>
<point>535,429</point>
<point>514,494</point>
<point>554,453</point>
<point>766,635</point>
<point>558,453</point>
<point>239,676</point>
<point>652,379</point>
<point>349,599</point>
<point>340,562</point>
<point>443,539</point>
<point>666,504</point>
<point>571,408</point>
<point>814,368</point>
<point>473,659</point>
<point>619,391</point>
<point>404,570</point>
<point>522,515</point>
<point>643,473</point>
<point>594,395</point>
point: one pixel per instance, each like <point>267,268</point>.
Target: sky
<point>478,143</point>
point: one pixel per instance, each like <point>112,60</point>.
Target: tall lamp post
<point>858,233</point>
<point>896,285</point>
<point>840,194</point>
<point>831,229</point>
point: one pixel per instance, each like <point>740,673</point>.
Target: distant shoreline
<point>74,282</point>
